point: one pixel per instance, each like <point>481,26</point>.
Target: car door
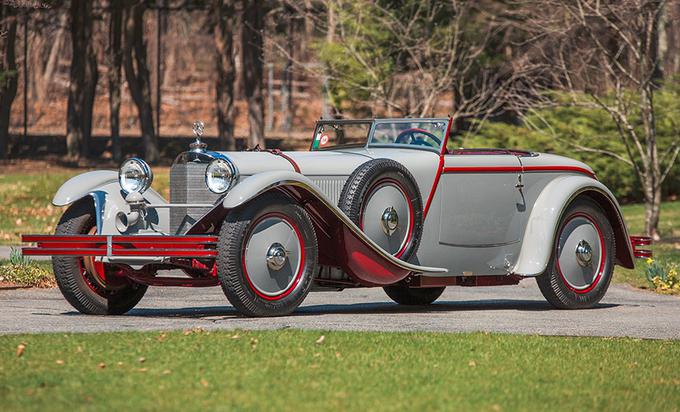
<point>481,211</point>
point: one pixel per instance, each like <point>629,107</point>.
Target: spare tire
<point>382,198</point>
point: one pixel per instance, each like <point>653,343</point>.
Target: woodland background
<point>90,82</point>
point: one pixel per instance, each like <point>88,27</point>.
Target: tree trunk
<point>8,73</point>
<point>115,59</point>
<point>287,105</point>
<point>253,67</point>
<point>652,179</point>
<point>137,74</point>
<point>652,213</point>
<point>83,80</point>
<point>309,30</point>
<point>42,86</point>
<point>223,31</point>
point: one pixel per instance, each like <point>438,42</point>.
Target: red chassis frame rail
<point>637,241</point>
<point>121,246</point>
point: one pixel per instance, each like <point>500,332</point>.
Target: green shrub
<point>562,130</point>
<point>664,277</point>
<point>23,271</point>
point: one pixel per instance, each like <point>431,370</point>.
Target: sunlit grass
<point>297,371</point>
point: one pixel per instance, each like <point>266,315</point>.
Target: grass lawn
<point>289,370</point>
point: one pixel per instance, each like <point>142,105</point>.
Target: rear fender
<point>541,229</point>
<point>108,199</point>
<point>341,242</point>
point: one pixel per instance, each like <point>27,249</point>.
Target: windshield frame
<point>373,123</point>
<point>324,122</point>
<point>438,150</point>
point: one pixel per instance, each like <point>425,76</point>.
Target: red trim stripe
<point>518,169</point>
<point>44,251</point>
<point>120,238</point>
<point>575,169</point>
<point>440,170</point>
<point>292,161</point>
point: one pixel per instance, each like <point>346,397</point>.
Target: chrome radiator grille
<point>187,185</point>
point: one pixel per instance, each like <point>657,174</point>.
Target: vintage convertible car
<point>373,203</point>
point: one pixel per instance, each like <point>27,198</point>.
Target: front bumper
<point>113,246</point>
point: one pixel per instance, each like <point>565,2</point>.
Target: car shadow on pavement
<point>362,308</point>
<point>443,306</point>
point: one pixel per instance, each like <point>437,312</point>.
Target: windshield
<point>427,134</point>
<point>333,135</point>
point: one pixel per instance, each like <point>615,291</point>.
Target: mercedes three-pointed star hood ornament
<point>198,129</point>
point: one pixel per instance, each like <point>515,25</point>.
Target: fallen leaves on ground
<point>20,349</point>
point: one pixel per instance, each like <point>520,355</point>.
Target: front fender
<point>102,186</point>
<point>539,236</point>
<point>82,185</point>
<point>343,243</point>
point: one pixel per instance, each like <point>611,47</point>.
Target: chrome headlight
<point>220,175</point>
<point>134,175</point>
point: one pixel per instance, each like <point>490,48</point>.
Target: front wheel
<point>88,285</point>
<point>267,256</point>
<point>581,267</point>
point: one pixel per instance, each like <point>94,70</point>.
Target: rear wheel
<point>382,198</point>
<point>581,267</point>
<point>404,295</point>
<point>87,284</point>
<point>267,256</point>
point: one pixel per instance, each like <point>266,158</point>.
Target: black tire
<point>554,285</point>
<point>362,181</point>
<point>235,234</point>
<point>404,295</point>
<point>76,284</point>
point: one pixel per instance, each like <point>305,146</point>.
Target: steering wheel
<point>413,136</point>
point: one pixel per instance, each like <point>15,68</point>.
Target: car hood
<point>317,163</point>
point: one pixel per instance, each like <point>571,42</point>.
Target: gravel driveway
<point>507,309</point>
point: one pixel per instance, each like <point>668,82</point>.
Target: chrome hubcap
<point>580,252</point>
<point>390,221</point>
<point>386,216</point>
<point>276,256</point>
<point>273,255</point>
<point>584,253</point>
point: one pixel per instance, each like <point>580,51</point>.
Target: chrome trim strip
<point>351,226</point>
<point>480,245</point>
